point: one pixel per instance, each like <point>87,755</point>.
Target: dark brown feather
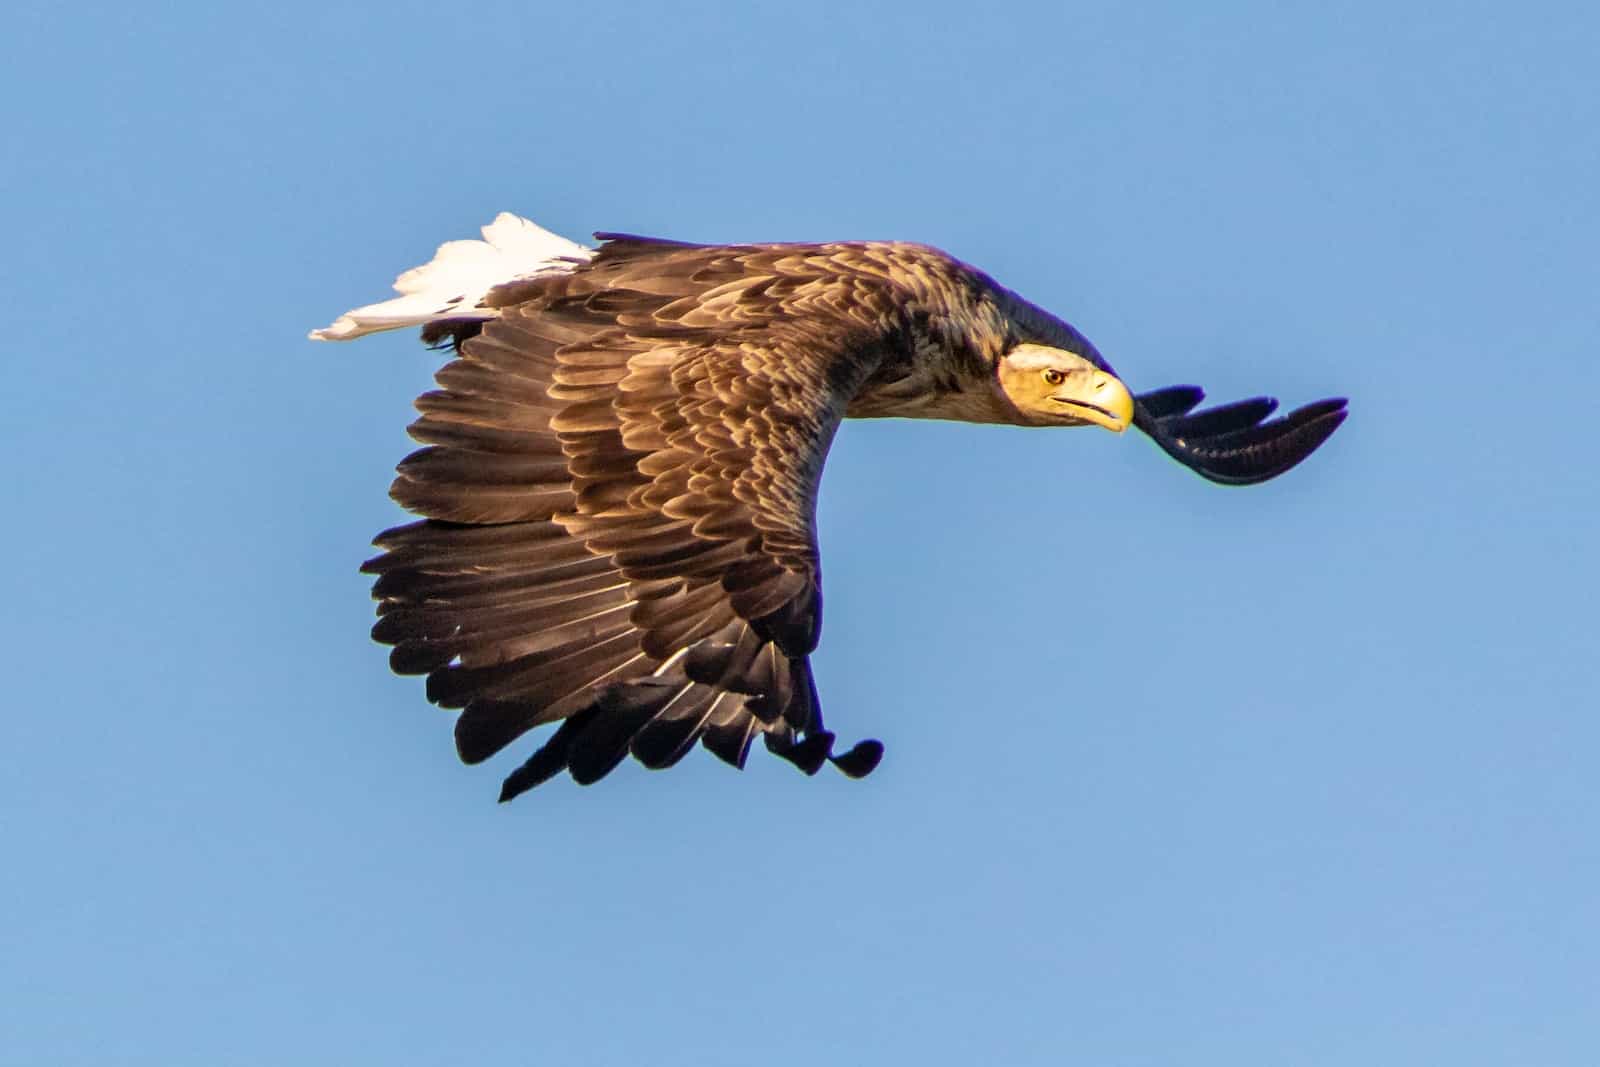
<point>618,486</point>
<point>619,469</point>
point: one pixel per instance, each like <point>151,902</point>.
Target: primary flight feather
<point>619,475</point>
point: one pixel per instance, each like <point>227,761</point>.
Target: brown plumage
<point>619,477</point>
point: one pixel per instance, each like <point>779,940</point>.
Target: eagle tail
<point>455,283</point>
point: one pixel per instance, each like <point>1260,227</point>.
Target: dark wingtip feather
<point>660,743</point>
<point>1225,418</point>
<point>484,727</point>
<point>1231,445</point>
<point>1321,407</point>
<point>418,657</point>
<point>861,760</point>
<point>528,776</point>
<point>620,712</point>
<point>730,743</point>
<point>707,661</point>
<point>1299,434</point>
<point>809,754</point>
<point>546,763</point>
<point>1173,400</point>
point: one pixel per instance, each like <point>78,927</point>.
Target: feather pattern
<point>619,471</point>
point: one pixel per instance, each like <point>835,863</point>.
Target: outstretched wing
<point>619,483</point>
<point>1234,444</point>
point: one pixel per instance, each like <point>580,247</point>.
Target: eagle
<point>618,476</point>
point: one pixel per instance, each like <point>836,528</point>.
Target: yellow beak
<point>1097,397</point>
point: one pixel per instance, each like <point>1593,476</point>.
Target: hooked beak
<point>1096,396</point>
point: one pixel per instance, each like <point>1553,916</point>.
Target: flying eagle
<point>619,472</point>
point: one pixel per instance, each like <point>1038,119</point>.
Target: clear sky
<point>1300,774</point>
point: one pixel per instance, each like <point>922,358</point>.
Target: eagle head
<point>1054,387</point>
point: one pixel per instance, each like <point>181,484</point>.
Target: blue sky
<point>1176,774</point>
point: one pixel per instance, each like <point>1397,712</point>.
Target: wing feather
<point>618,479</point>
<point>618,484</point>
<point>1235,444</point>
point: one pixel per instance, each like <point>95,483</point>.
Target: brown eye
<point>1053,376</point>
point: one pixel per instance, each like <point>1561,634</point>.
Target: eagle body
<point>619,473</point>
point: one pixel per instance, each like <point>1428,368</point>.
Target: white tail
<point>453,284</point>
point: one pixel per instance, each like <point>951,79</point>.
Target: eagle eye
<point>1053,376</point>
